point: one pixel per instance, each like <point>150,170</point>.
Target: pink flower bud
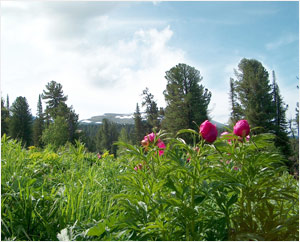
<point>99,156</point>
<point>208,131</point>
<point>241,128</point>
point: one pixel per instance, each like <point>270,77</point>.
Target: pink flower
<point>99,156</point>
<point>150,137</point>
<point>161,145</point>
<point>208,131</point>
<point>241,128</point>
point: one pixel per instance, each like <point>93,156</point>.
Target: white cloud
<point>284,40</point>
<point>97,77</point>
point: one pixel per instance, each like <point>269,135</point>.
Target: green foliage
<point>21,121</point>
<point>56,133</point>
<point>151,110</point>
<point>4,118</point>
<point>139,130</point>
<point>38,125</point>
<point>187,101</point>
<point>106,137</point>
<point>54,98</point>
<point>220,191</point>
<point>254,94</point>
<point>50,196</point>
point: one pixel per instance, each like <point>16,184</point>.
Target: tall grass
<point>220,191</point>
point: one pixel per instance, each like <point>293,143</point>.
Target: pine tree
<point>4,118</point>
<point>21,121</point>
<point>187,101</point>
<point>254,93</point>
<point>151,110</point>
<point>138,126</point>
<point>280,124</point>
<point>54,98</point>
<point>38,125</point>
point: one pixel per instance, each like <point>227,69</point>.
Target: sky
<point>106,53</point>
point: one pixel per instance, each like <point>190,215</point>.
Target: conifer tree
<point>254,93</point>
<point>280,124</point>
<point>54,98</point>
<point>4,118</point>
<point>56,107</point>
<point>38,125</point>
<point>235,114</point>
<point>151,110</point>
<point>7,102</point>
<point>138,125</point>
<point>21,120</point>
<point>187,100</point>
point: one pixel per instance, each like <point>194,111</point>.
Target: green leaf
<point>232,200</point>
<point>199,198</point>
<point>98,230</point>
<point>182,131</point>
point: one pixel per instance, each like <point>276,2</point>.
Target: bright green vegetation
<point>220,191</point>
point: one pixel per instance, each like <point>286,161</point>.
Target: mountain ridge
<point>124,119</point>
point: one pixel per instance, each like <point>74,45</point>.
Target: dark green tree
<point>20,126</point>
<point>54,97</point>
<point>187,100</point>
<point>151,110</point>
<point>254,94</point>
<point>107,136</point>
<point>4,118</point>
<point>139,130</point>
<point>235,114</point>
<point>280,124</point>
<point>38,125</point>
<point>7,102</point>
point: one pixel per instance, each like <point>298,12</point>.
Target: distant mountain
<point>113,117</point>
<point>124,119</point>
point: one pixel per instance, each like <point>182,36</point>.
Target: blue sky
<point>105,53</point>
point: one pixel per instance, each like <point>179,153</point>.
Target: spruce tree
<point>254,93</point>
<point>280,123</point>
<point>187,100</point>
<point>20,126</point>
<point>38,125</point>
<point>151,110</point>
<point>138,126</point>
